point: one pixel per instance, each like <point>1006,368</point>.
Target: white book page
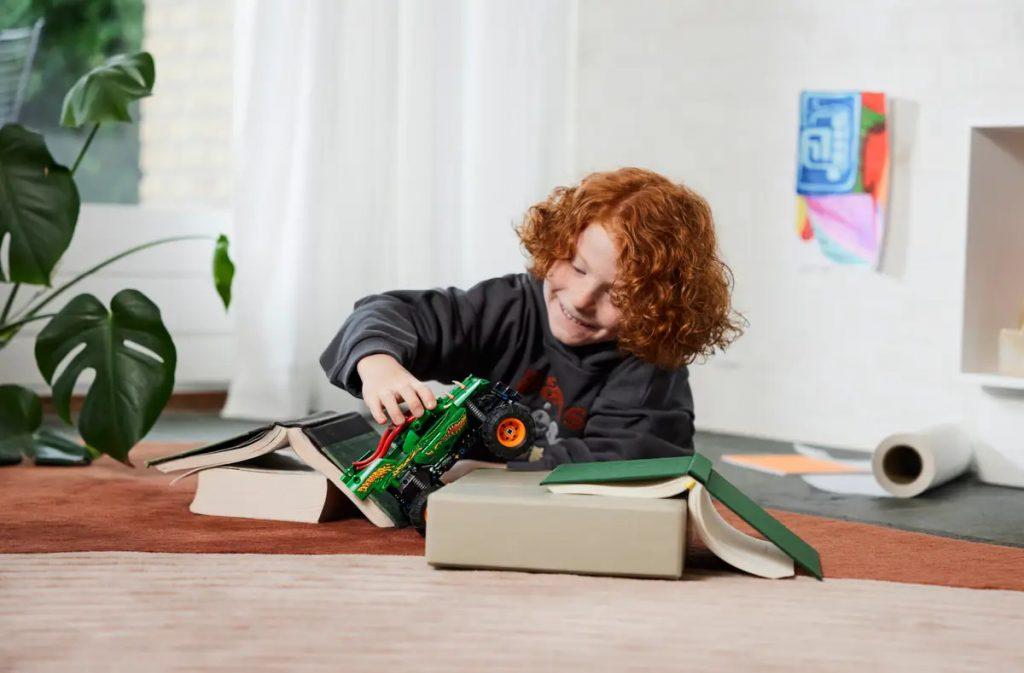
<point>750,554</point>
<point>657,488</point>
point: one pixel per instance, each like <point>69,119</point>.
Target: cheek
<point>558,276</point>
<point>609,315</point>
<point>612,318</point>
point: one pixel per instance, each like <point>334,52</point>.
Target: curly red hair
<point>672,289</point>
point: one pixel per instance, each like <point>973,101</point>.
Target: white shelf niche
<point>994,264</point>
<point>993,292</point>
<point>996,381</point>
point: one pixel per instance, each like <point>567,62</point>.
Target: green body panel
<point>425,441</point>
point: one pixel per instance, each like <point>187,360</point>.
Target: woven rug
<point>110,507</point>
<point>242,612</point>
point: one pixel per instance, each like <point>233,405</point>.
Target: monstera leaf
<point>133,358</point>
<point>52,448</point>
<point>104,93</point>
<point>20,414</point>
<point>38,206</point>
<point>223,270</point>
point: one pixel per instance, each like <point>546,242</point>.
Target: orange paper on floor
<point>790,463</point>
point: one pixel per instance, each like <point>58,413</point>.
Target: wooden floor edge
<point>200,400</point>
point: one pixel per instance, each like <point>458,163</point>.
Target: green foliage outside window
<point>78,36</point>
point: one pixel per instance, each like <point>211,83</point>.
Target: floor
<point>963,509</point>
<point>242,612</point>
<point>88,611</point>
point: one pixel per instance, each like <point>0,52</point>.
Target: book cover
<point>507,520</point>
<point>700,468</point>
<point>327,442</point>
<point>344,439</point>
<point>330,445</point>
<point>228,444</point>
<point>248,445</point>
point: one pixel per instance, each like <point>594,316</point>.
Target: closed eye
<point>578,270</point>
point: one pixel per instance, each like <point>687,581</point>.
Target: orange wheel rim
<point>511,432</point>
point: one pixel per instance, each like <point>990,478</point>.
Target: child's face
<point>577,291</point>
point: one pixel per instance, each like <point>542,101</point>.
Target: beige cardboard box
<point>1011,352</point>
<point>505,520</point>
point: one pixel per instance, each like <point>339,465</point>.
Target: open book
<point>668,477</point>
<point>277,486</point>
<point>326,442</point>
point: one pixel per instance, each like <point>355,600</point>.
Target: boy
<point>625,288</point>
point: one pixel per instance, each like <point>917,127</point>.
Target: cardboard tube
<point>908,464</point>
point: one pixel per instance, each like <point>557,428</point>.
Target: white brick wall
<point>186,124</point>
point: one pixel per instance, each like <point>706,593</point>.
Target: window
<point>178,152</point>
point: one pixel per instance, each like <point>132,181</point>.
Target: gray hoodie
<point>590,402</point>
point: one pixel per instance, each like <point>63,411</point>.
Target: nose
<point>584,296</point>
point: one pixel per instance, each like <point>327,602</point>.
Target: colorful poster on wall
<point>842,174</point>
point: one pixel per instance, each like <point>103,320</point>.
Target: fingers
<point>417,396</point>
<point>373,402</point>
<point>391,404</point>
<point>412,400</point>
<point>384,403</point>
<point>426,394</point>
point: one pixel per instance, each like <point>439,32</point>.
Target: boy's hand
<point>386,383</point>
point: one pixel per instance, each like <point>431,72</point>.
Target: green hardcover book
<point>699,468</point>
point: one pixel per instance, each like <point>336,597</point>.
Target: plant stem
<point>21,323</point>
<point>17,314</point>
<point>8,332</point>
<point>10,302</point>
<point>88,141</point>
<point>88,272</point>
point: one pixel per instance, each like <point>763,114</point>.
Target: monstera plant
<point>126,345</point>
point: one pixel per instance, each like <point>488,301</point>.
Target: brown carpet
<point>110,507</point>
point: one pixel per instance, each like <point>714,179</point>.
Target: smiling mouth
<point>574,320</point>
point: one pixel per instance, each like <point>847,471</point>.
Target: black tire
<point>418,511</point>
<point>508,431</point>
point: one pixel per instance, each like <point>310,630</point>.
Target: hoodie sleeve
<point>436,334</point>
<point>642,412</point>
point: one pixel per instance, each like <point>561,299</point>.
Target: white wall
<point>707,93</point>
<point>177,276</point>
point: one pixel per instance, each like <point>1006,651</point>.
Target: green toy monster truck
<point>476,419</point>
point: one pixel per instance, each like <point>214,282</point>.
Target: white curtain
<point>381,145</point>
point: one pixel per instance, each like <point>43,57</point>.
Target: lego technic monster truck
<point>476,419</point>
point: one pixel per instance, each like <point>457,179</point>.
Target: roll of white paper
<point>908,464</point>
